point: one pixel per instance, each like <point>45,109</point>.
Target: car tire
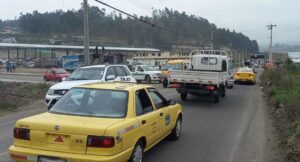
<point>138,81</point>
<point>137,153</point>
<point>183,96</point>
<point>165,83</point>
<point>176,131</point>
<point>148,79</point>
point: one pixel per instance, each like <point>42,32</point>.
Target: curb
<point>21,74</point>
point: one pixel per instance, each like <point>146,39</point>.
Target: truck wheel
<point>165,83</point>
<point>148,79</point>
<point>137,153</point>
<point>223,93</point>
<point>183,96</point>
<point>216,99</point>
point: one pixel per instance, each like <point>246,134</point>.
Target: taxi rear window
<point>93,102</point>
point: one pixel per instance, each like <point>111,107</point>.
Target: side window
<point>157,98</point>
<point>140,68</point>
<point>224,65</point>
<point>127,73</point>
<point>110,71</point>
<point>142,103</point>
<point>209,61</point>
<point>120,71</point>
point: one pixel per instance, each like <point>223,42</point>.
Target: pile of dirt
<point>15,95</point>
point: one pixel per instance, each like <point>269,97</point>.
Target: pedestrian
<point>14,67</point>
<point>7,66</point>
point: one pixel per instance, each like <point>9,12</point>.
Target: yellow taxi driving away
<point>245,75</point>
<point>98,122</point>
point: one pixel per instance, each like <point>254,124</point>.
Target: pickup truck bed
<point>193,76</point>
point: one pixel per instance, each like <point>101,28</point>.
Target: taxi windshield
<point>87,74</point>
<point>92,102</point>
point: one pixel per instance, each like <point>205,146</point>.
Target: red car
<point>55,74</point>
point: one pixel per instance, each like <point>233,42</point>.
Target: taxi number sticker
<point>123,79</point>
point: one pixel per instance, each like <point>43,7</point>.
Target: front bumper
<point>24,154</point>
<point>51,100</point>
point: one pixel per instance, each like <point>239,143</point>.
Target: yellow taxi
<point>245,74</point>
<point>111,122</point>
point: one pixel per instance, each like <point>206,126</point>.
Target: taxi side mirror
<point>171,102</point>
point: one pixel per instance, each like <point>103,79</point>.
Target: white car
<point>146,73</point>
<point>87,75</point>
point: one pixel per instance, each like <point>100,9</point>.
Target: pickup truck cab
<point>207,75</point>
<point>178,64</point>
<point>87,75</point>
<point>146,73</point>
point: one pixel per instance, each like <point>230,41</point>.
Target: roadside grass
<point>15,95</point>
<point>282,86</point>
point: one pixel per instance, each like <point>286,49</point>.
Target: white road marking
<point>4,153</point>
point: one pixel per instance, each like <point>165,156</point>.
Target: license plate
<point>50,159</point>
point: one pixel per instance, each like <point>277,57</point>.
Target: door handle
<point>161,114</point>
<point>144,122</point>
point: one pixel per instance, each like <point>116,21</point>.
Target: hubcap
<point>178,128</point>
<point>138,154</point>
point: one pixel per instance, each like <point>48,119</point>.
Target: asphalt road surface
<point>233,130</point>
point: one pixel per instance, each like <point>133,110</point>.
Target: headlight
<point>50,92</point>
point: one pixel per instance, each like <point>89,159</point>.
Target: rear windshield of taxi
<point>245,70</point>
<point>93,102</point>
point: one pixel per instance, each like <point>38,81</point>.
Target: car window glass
<point>111,71</point>
<point>93,102</point>
<point>140,68</point>
<point>127,73</point>
<point>157,98</point>
<point>209,61</point>
<point>120,71</point>
<point>143,104</point>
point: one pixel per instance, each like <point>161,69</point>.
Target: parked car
<point>101,122</point>
<point>146,73</point>
<point>86,75</point>
<point>246,75</point>
<point>55,74</point>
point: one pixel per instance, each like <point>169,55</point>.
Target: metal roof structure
<point>63,47</point>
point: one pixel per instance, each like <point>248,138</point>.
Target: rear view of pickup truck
<point>207,75</point>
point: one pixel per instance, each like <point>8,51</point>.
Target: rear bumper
<point>200,92</point>
<point>244,80</point>
<point>23,154</point>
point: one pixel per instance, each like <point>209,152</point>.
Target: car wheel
<point>138,81</point>
<point>176,131</point>
<point>183,96</point>
<point>137,153</point>
<point>148,79</point>
<point>165,83</point>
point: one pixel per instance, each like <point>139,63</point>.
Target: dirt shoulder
<point>14,95</point>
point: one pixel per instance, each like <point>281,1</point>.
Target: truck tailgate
<point>203,77</point>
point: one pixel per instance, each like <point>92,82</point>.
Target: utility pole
<point>270,27</point>
<point>86,33</point>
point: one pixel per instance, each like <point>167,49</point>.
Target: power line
<point>137,18</point>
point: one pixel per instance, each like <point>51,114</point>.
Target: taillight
<point>99,141</point>
<point>210,87</point>
<point>22,133</point>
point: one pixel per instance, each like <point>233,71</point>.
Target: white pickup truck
<point>146,73</point>
<point>207,75</point>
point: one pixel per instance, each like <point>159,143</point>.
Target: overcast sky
<point>247,16</point>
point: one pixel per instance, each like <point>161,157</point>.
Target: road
<point>21,78</point>
<point>234,130</point>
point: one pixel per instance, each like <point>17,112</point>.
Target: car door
<point>48,74</point>
<point>167,112</point>
<point>140,73</point>
<point>147,116</point>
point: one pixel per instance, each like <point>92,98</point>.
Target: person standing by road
<point>7,66</point>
